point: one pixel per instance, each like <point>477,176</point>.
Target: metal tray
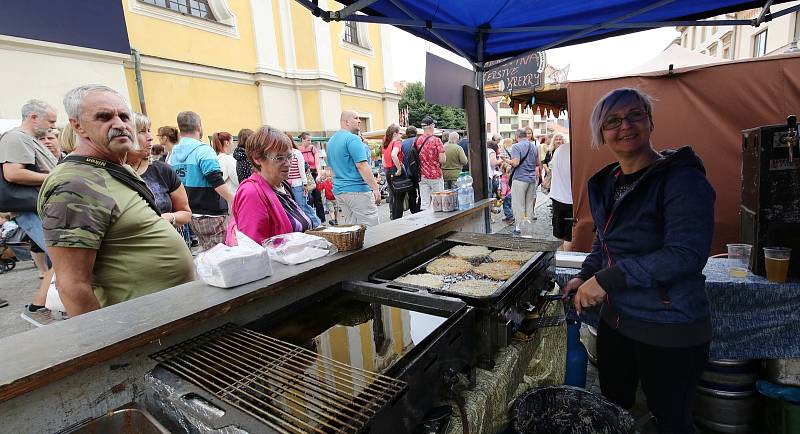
<point>418,261</point>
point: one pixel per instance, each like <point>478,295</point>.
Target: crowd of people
<point>261,183</point>
<point>112,214</point>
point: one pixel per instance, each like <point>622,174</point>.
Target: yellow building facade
<point>245,63</point>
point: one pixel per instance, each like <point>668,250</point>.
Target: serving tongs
<point>534,319</point>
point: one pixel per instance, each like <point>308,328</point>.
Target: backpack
<point>414,163</point>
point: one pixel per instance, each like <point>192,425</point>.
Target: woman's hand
<point>589,294</point>
<point>572,286</point>
<point>169,217</point>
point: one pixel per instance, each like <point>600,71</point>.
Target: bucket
<point>726,396</point>
<point>783,371</point>
<point>782,415</point>
<point>591,344</point>
<point>568,410</point>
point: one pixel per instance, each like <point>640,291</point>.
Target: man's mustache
<point>116,132</point>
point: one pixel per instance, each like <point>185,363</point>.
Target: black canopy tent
<point>482,31</point>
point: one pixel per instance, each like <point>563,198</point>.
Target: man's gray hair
<point>521,133</point>
<point>453,137</point>
<point>188,122</point>
<point>73,100</point>
<point>609,102</point>
<point>35,106</point>
<point>497,138</point>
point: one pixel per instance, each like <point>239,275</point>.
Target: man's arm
<point>515,156</point>
<point>366,173</point>
<point>73,268</point>
<point>18,174</point>
<point>224,192</point>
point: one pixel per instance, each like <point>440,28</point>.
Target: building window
<point>712,50</point>
<point>351,33</point>
<point>505,119</point>
<point>364,123</point>
<point>797,26</point>
<point>726,47</point>
<point>358,77</point>
<point>685,39</point>
<point>525,123</point>
<point>760,44</point>
<point>488,127</point>
<point>196,8</point>
<point>506,134</point>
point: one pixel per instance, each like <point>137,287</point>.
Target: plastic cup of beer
<point>777,261</point>
<point>738,260</point>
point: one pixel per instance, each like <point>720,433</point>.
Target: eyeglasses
<point>280,159</point>
<point>615,122</point>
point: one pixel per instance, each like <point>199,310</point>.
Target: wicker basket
<point>344,241</point>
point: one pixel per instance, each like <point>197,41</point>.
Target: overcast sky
<point>607,57</point>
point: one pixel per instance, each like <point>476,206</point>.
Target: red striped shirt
<point>294,168</point>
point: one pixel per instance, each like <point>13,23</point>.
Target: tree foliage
<point>413,99</point>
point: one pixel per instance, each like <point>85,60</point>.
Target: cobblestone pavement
<point>18,286</point>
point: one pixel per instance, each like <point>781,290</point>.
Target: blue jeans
<point>31,224</point>
<point>507,207</point>
<point>302,201</point>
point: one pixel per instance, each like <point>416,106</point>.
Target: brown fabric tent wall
<point>704,107</point>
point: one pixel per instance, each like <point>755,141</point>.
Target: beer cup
<point>776,260</point>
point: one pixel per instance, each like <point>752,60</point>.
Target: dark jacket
<point>653,242</point>
<point>243,167</point>
<point>406,145</point>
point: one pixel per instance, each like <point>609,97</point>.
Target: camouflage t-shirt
<point>138,252</point>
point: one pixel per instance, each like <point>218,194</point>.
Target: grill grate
<point>287,387</point>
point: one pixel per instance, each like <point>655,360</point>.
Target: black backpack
<point>414,165</point>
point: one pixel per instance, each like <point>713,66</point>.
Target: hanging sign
<point>525,72</point>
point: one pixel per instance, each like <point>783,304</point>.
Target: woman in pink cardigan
<point>264,205</point>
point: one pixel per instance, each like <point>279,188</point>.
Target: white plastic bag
<point>53,300</point>
<point>296,247</point>
<point>227,266</point>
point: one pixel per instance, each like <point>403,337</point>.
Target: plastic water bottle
<point>466,194</point>
<point>577,357</point>
<point>526,229</point>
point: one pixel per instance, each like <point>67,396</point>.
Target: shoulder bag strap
<point>120,174</point>
<point>520,162</point>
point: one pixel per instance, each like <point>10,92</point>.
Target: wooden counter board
<point>39,357</point>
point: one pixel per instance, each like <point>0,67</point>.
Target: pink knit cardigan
<point>257,212</point>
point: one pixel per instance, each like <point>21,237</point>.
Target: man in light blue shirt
<point>197,166</point>
<point>357,193</point>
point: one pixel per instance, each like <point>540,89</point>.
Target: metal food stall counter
<point>64,375</point>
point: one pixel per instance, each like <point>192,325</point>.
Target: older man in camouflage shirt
<point>106,241</point>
